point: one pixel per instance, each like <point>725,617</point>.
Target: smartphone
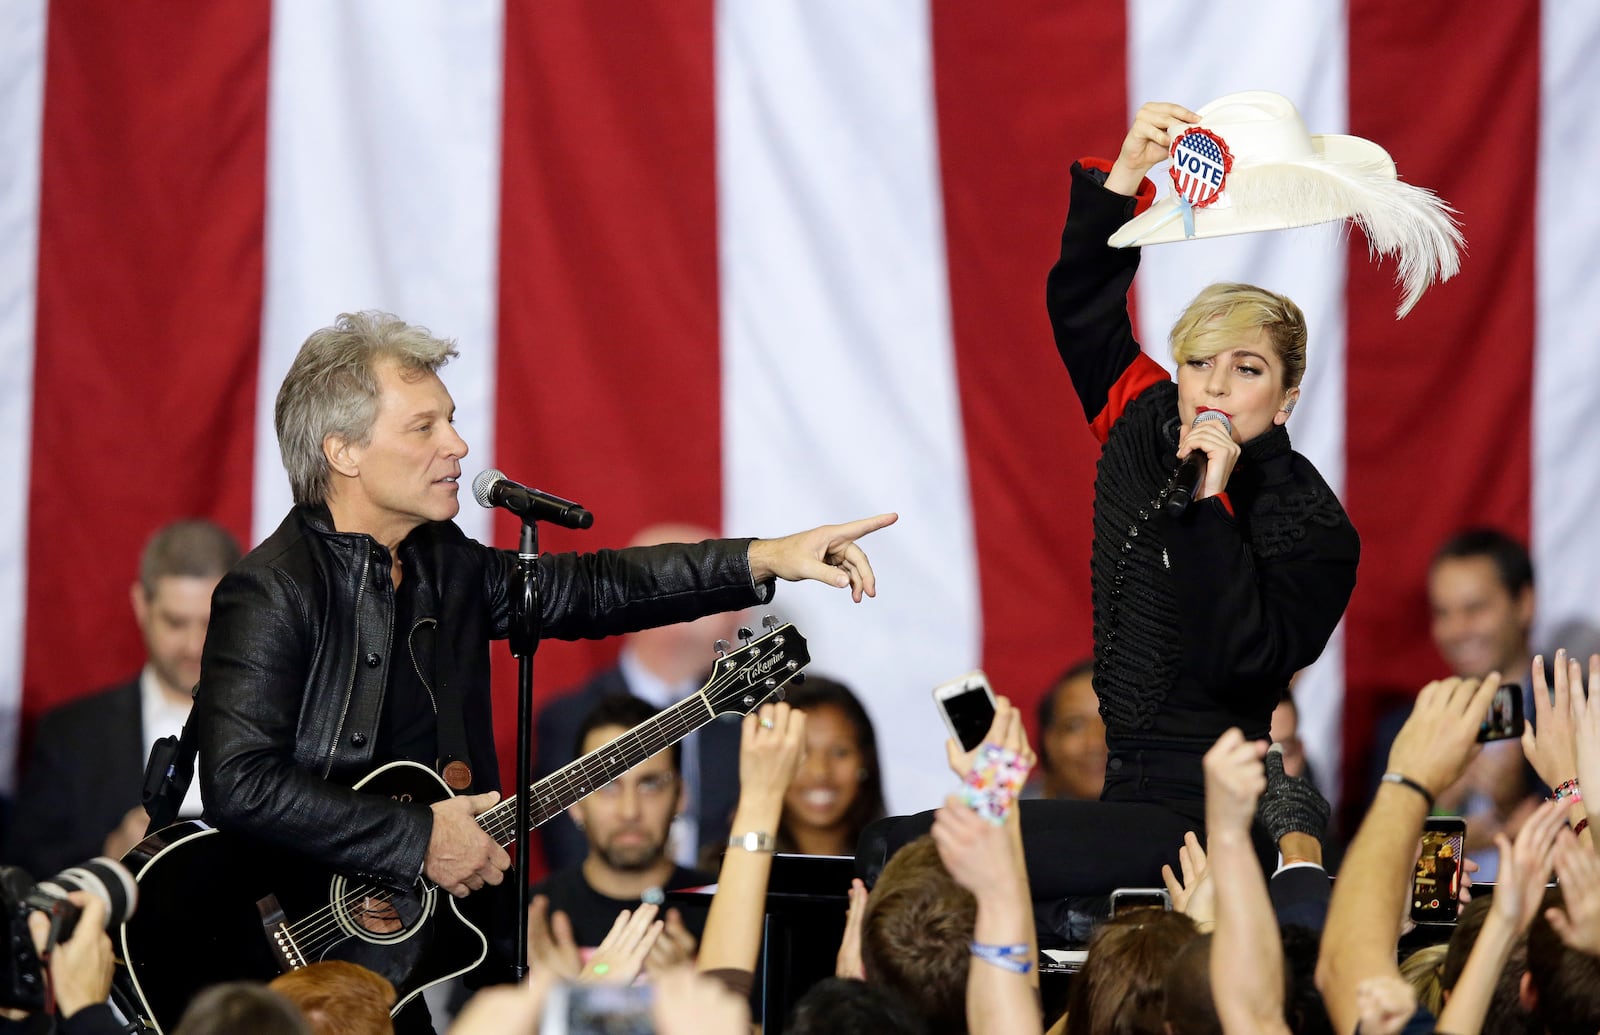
<point>597,1010</point>
<point>967,705</point>
<point>1124,899</point>
<point>1504,720</point>
<point>1436,884</point>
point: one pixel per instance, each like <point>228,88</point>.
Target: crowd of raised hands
<point>691,992</point>
<point>1222,966</point>
<point>700,990</point>
<point>981,853</point>
<point>1357,972</point>
<point>1531,953</point>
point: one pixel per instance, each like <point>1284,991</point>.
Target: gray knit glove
<point>1290,805</point>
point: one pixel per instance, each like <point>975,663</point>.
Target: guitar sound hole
<point>379,914</point>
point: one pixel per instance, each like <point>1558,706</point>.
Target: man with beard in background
<point>627,824</point>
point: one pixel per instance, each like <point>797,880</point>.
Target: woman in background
<point>839,788</point>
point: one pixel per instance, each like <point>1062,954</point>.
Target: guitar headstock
<point>757,670</point>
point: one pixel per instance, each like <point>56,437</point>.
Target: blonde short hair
<point>1221,313</point>
<point>332,389</point>
<point>1423,971</point>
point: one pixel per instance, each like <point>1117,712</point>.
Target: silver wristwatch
<point>754,841</point>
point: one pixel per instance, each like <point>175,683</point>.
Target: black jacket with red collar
<point>1201,620</point>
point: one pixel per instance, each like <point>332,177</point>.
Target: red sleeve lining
<point>1140,374</point>
<point>1147,188</point>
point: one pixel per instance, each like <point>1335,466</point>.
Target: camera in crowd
<point>22,983</point>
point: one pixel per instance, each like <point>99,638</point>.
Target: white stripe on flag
<point>383,173</point>
<point>1297,49</point>
<point>839,393</point>
<point>22,41</point>
<point>1566,433</point>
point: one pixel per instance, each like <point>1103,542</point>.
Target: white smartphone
<point>967,705</point>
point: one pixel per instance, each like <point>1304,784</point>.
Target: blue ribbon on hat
<point>1153,227</point>
<point>1186,208</point>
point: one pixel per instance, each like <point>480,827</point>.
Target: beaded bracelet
<point>1568,792</point>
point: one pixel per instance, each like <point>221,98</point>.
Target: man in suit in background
<point>80,794</point>
<point>660,666</point>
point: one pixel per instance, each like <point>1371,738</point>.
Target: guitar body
<point>200,916</point>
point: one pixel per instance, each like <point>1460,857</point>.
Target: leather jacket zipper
<point>355,660</point>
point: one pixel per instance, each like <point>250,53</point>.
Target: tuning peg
<point>722,647</point>
<point>769,622</point>
<point>783,693</point>
<point>745,634</point>
<point>797,679</point>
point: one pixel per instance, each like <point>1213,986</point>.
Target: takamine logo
<point>760,669</point>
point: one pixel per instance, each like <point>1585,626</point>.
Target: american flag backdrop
<point>761,264</point>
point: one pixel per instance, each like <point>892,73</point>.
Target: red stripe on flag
<point>609,388</point>
<point>149,310</point>
<point>1440,403</point>
<point>1015,108</point>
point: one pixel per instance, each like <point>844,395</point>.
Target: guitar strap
<point>454,760</point>
<point>168,773</point>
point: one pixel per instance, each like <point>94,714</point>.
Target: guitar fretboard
<point>552,795</point>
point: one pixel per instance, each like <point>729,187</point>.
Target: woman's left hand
<point>1222,452</point>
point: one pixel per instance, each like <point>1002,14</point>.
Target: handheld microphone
<point>1192,472</point>
<point>493,489</point>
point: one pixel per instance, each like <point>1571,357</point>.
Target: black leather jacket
<point>296,662</point>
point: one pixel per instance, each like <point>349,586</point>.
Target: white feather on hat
<point>1280,176</point>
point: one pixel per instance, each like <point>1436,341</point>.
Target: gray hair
<point>332,389</point>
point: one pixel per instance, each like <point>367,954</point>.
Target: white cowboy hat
<point>1250,165</point>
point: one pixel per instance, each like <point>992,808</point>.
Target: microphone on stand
<point>492,489</point>
<point>1192,472</point>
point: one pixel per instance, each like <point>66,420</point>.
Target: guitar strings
<point>579,778</point>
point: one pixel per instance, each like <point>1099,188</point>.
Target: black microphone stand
<point>525,629</point>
